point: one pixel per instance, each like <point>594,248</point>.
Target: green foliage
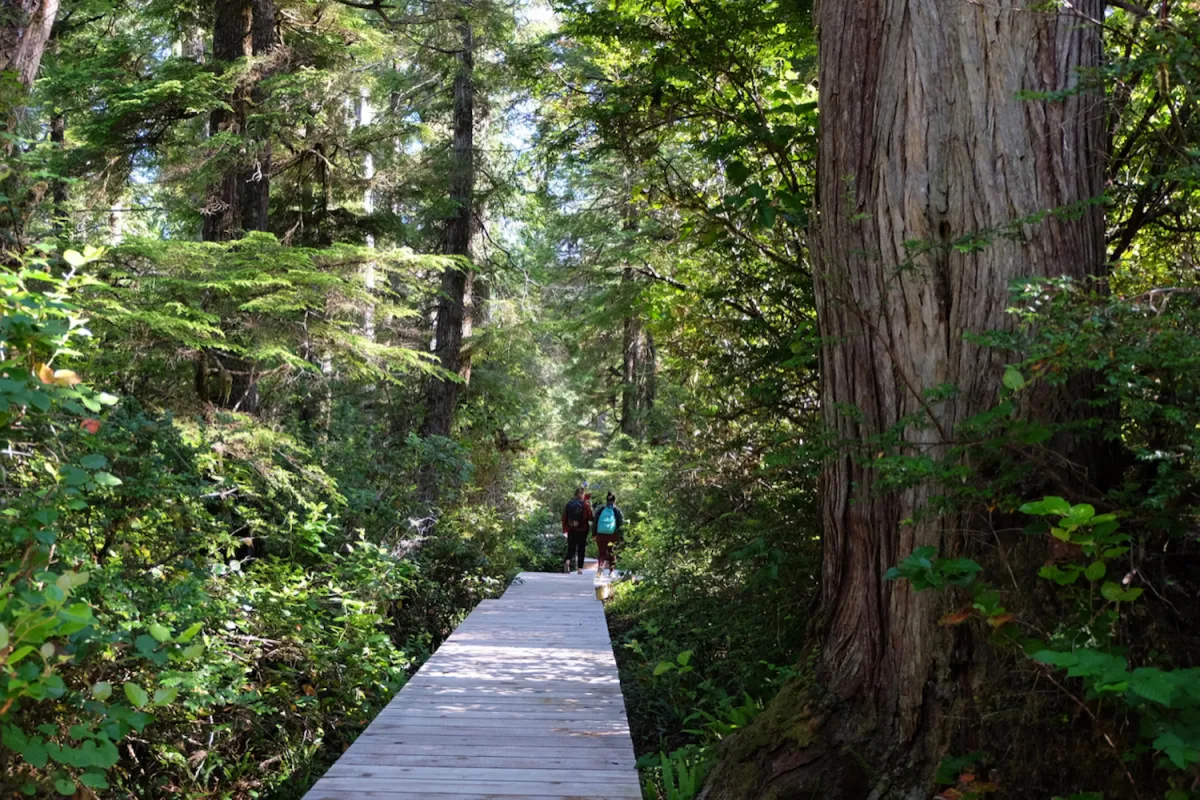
<point>678,775</point>
<point>925,570</point>
<point>1165,702</point>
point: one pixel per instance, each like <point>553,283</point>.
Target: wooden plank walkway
<point>522,700</point>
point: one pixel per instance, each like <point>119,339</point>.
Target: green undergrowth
<point>714,624</point>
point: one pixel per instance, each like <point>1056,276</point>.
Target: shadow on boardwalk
<point>522,700</point>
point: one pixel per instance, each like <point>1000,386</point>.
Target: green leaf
<point>160,633</point>
<point>1013,379</point>
<point>102,690</point>
<point>65,787</point>
<point>70,580</point>
<point>1055,658</point>
<point>193,651</point>
<point>1056,505</point>
<point>76,260</point>
<point>106,479</point>
<point>190,633</point>
<point>165,695</point>
<point>79,613</point>
<point>137,695</point>
<point>73,476</point>
<point>93,461</point>
<point>684,657</point>
<point>1153,684</point>
<point>94,780</point>
<point>1095,571</point>
<point>663,666</point>
<point>1080,514</point>
<point>34,753</point>
<point>3,636</point>
<point>737,172</point>
<point>19,653</point>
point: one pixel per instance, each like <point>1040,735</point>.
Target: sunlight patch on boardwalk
<point>523,700</point>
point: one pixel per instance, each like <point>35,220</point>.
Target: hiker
<point>610,524</point>
<point>576,519</point>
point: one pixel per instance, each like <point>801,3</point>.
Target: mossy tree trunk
<point>925,138</point>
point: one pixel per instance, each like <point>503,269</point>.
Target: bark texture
<point>238,201</point>
<point>231,40</point>
<point>455,305</point>
<point>925,138</point>
<point>638,371</point>
<point>25,27</point>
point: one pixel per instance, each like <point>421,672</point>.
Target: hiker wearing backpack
<point>610,525</point>
<point>576,519</point>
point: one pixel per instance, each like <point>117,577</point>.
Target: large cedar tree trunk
<point>454,311</point>
<point>25,27</point>
<point>924,138</point>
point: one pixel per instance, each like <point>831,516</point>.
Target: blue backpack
<point>607,522</point>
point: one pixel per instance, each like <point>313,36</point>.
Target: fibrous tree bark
<point>25,27</point>
<point>638,357</point>
<point>232,22</point>
<point>928,133</point>
<point>454,311</point>
<point>638,370</point>
<point>257,179</point>
<point>238,199</point>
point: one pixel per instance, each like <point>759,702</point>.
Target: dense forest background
<point>881,323</point>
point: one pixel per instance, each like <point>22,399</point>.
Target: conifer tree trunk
<point>25,27</point>
<point>924,139</point>
<point>638,358</point>
<point>257,176</point>
<point>232,23</point>
<point>454,311</point>
<point>238,202</point>
<point>637,371</point>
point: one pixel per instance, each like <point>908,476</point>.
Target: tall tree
<point>637,369</point>
<point>238,201</point>
<point>926,139</point>
<point>25,27</point>
<point>454,310</point>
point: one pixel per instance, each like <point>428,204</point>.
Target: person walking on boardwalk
<point>610,524</point>
<point>576,519</point>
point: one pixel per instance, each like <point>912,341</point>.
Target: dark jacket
<point>587,516</point>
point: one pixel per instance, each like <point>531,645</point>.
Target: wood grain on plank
<point>523,700</point>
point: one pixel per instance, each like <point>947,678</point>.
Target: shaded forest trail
<point>522,700</point>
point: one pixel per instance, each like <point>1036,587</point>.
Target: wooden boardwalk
<point>522,700</point>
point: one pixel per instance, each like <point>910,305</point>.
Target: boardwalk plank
<point>523,700</point>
